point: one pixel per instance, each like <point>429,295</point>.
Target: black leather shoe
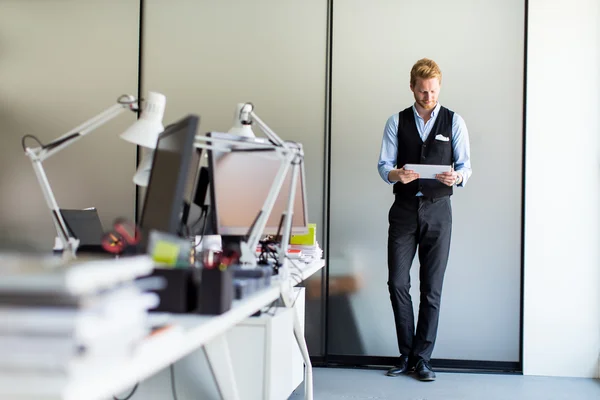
<point>424,371</point>
<point>402,368</point>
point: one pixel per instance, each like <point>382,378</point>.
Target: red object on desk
<point>124,234</point>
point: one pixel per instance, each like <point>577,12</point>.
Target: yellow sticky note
<point>308,239</point>
<point>165,252</point>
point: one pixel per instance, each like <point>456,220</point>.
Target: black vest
<point>412,150</point>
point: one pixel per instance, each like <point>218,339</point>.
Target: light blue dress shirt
<point>460,144</point>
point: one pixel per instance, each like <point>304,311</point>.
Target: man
<point>421,216</point>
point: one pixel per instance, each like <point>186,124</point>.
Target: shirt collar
<point>436,109</point>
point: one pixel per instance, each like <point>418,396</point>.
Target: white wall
<point>562,232</point>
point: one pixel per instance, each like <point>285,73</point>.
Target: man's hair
<point>425,69</point>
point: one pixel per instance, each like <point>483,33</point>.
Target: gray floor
<point>363,384</point>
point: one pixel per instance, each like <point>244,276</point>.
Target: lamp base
<point>70,252</point>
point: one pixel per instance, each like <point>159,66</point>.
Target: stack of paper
<point>309,253</point>
<point>71,319</point>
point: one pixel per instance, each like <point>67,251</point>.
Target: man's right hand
<point>403,175</point>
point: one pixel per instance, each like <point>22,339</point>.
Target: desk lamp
<point>144,132</point>
<point>290,154</point>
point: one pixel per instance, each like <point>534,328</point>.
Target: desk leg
<point>308,376</point>
<point>219,359</point>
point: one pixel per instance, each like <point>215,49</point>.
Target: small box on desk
<point>215,291</point>
<point>180,294</point>
<point>195,290</point>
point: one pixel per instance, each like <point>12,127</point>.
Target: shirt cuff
<point>462,179</point>
<point>387,177</point>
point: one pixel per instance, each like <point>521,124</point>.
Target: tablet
<point>427,171</point>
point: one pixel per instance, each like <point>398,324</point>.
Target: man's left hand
<point>448,178</point>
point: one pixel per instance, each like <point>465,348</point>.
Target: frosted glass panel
<point>61,63</point>
<point>207,56</point>
<point>479,47</point>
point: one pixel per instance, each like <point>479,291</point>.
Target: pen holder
<point>215,291</point>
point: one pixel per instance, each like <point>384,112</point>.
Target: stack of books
<point>71,319</point>
<point>307,245</point>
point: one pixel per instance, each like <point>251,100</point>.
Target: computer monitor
<point>189,192</point>
<point>163,204</point>
<point>200,221</point>
<point>240,182</point>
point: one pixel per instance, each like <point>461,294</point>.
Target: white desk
<point>198,331</point>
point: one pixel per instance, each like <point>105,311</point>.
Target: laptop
<point>85,225</point>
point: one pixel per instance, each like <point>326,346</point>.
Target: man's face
<point>426,92</point>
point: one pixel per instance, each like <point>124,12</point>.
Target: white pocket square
<point>442,138</point>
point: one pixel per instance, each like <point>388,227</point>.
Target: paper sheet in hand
<point>427,171</point>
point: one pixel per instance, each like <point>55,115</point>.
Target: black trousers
<point>426,224</point>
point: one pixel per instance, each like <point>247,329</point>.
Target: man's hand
<point>449,178</point>
<point>403,175</point>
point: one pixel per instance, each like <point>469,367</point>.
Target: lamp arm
<point>64,141</point>
<point>206,142</point>
<point>289,213</point>
<point>221,149</point>
<point>267,207</point>
<point>69,244</point>
<point>39,154</point>
<point>268,131</point>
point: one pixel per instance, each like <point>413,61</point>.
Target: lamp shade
<point>142,175</point>
<point>144,132</point>
<point>242,124</point>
